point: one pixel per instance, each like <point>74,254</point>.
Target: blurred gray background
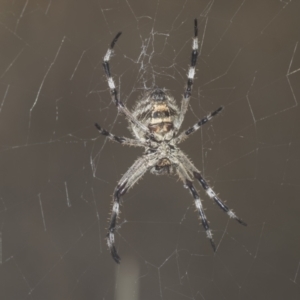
<point>58,174</point>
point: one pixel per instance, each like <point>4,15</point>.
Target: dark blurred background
<point>58,174</point>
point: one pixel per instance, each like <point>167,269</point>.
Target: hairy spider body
<point>155,122</point>
<point>158,111</point>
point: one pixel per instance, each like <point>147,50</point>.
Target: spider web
<point>58,174</point>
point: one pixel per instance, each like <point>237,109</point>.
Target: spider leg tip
<point>213,245</point>
<point>117,260</point>
<point>115,255</point>
<point>242,222</point>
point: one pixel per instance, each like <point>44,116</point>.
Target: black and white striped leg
<point>119,191</point>
<point>121,140</point>
<point>202,215</point>
<point>114,93</point>
<point>213,196</point>
<point>191,74</point>
<point>135,172</point>
<point>181,137</point>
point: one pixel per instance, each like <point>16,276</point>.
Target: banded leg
<point>121,140</point>
<point>191,74</point>
<point>202,215</point>
<point>192,170</point>
<point>181,137</point>
<point>135,172</point>
<point>114,93</point>
<point>188,183</point>
<point>209,191</point>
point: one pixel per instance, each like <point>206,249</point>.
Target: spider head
<point>158,95</point>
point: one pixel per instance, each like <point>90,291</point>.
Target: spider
<point>154,123</point>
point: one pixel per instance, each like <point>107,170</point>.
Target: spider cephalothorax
<point>155,122</point>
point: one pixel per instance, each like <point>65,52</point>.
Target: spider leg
<point>209,191</point>
<point>135,172</point>
<point>191,74</point>
<point>121,140</point>
<point>188,183</point>
<point>114,92</point>
<point>182,136</point>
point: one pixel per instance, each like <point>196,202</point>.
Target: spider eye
<point>158,95</point>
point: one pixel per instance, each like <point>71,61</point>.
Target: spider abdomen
<point>157,110</point>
